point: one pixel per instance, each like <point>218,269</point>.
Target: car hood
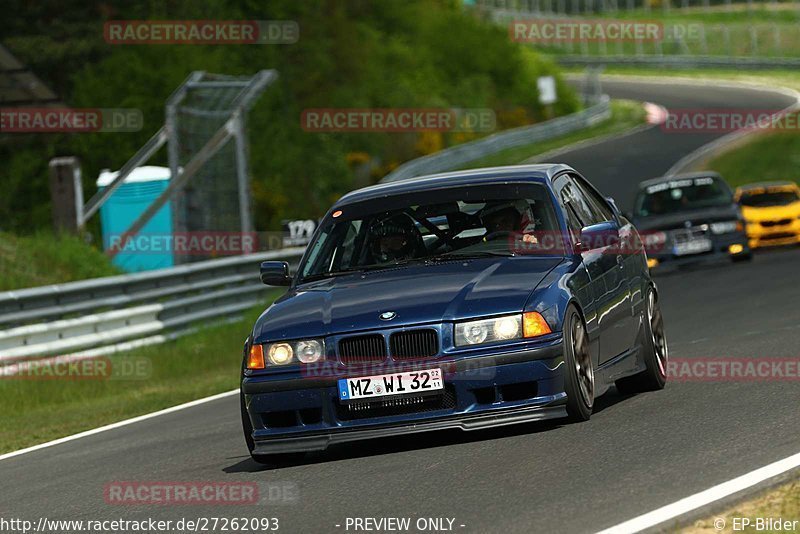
<point>771,213</point>
<point>422,293</point>
<point>676,220</point>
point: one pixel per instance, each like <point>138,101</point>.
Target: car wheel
<point>266,459</point>
<point>656,352</point>
<point>579,372</point>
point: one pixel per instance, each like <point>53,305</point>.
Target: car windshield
<point>469,221</point>
<point>768,198</point>
<point>683,194</point>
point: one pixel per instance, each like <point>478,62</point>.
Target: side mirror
<point>600,235</point>
<point>275,273</point>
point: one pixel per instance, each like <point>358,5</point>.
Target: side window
<point>577,204</point>
<point>562,186</point>
<point>598,205</point>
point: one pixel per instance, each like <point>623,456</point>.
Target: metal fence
<point>598,7</point>
<point>758,34</point>
<point>106,313</point>
<point>457,156</point>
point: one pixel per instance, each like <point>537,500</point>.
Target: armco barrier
<point>456,156</point>
<point>60,319</point>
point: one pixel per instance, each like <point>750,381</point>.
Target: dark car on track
<point>690,217</point>
<point>456,301</point>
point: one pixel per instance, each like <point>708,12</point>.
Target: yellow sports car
<point>772,212</point>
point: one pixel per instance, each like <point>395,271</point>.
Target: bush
<point>388,53</point>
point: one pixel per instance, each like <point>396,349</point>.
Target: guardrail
<point>104,312</point>
<point>453,157</point>
<point>752,63</point>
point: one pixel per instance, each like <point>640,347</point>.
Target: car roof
<point>684,176</point>
<point>758,185</point>
<point>521,173</point>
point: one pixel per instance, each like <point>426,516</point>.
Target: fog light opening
<point>736,249</point>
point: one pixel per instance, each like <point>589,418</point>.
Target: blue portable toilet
<point>152,247</point>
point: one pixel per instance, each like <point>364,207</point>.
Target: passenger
<point>502,218</point>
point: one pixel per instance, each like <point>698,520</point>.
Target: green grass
<point>191,367</point>
<point>43,259</point>
<point>625,114</point>
<point>783,502</point>
<point>769,156</point>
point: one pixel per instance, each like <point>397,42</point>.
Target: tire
<point>579,369</point>
<point>274,460</point>
<point>655,349</point>
<point>740,258</point>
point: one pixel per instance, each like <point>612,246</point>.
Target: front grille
<point>362,349</point>
<point>414,344</point>
<point>782,235</point>
<point>770,224</point>
<point>446,400</point>
<point>682,236</point>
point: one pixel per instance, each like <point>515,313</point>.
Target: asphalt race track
<point>636,454</point>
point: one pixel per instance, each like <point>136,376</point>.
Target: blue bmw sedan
<point>463,300</point>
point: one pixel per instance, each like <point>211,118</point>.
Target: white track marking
<point>698,500</point>
<point>119,424</point>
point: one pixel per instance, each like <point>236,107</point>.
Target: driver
<point>394,238</point>
<point>506,216</point>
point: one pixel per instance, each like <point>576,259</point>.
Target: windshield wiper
<point>329,274</point>
<point>471,255</point>
<point>361,269</point>
<point>428,259</point>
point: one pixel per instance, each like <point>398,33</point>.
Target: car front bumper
<point>773,236</point>
<point>493,388</point>
<point>721,249</point>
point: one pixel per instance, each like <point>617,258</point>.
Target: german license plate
<point>390,385</point>
<point>693,246</point>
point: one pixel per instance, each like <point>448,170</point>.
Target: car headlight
<point>725,227</point>
<point>286,352</point>
<point>280,353</point>
<point>503,328</point>
<point>309,351</point>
